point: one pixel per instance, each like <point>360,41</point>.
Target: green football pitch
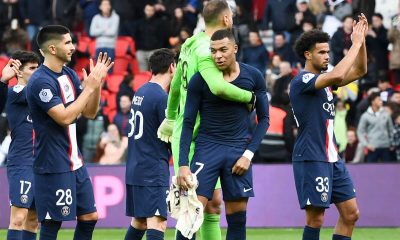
<point>252,234</point>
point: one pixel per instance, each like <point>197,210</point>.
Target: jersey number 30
<point>135,116</point>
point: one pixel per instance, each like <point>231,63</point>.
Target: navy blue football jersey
<point>20,124</point>
<point>314,111</point>
<point>148,156</point>
<point>221,121</point>
<point>56,148</point>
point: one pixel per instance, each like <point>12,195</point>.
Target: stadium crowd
<point>367,112</point>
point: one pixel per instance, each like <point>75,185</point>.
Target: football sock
<point>210,229</point>
<point>340,237</point>
<point>26,235</point>
<point>84,230</point>
<point>236,226</point>
<point>310,233</point>
<point>153,234</point>
<point>49,229</point>
<point>13,234</point>
<point>134,234</point>
<point>180,237</point>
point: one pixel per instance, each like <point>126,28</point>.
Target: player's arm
<point>218,86</point>
<point>339,72</point>
<point>262,110</point>
<point>64,116</point>
<point>359,68</point>
<point>193,99</point>
<point>174,94</point>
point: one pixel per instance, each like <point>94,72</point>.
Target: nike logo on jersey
<point>246,189</point>
<point>308,201</point>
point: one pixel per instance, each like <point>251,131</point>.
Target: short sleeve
<point>45,95</point>
<point>161,106</point>
<point>307,82</point>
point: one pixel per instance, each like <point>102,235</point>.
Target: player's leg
<point>85,205</point>
<point>210,229</point>
<point>314,221</point>
<point>138,226</point>
<point>236,219</point>
<point>343,195</point>
<point>156,227</point>
<point>136,229</point>
<point>30,226</point>
<point>17,219</point>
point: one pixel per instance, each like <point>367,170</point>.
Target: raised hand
<point>11,70</point>
<point>98,72</point>
<point>359,32</point>
<point>364,20</point>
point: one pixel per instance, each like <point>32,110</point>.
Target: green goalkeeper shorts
<point>175,153</point>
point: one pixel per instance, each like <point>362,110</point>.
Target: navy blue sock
<point>14,234</point>
<point>310,233</point>
<point>49,229</point>
<point>180,237</point>
<point>153,234</point>
<point>26,235</point>
<point>236,226</point>
<point>84,230</point>
<point>134,234</point>
<point>340,237</point>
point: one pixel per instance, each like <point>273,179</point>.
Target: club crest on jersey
<point>65,211</point>
<point>24,199</point>
<point>307,77</point>
<point>45,95</point>
<point>324,197</point>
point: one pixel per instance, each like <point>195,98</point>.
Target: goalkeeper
<point>195,57</point>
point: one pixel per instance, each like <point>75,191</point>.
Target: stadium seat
<point>83,45</point>
<point>121,65</point>
<point>140,79</point>
<point>113,82</point>
<point>92,48</point>
<point>81,62</point>
<point>135,65</point>
<point>124,46</point>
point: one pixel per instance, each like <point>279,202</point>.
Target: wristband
<point>248,154</point>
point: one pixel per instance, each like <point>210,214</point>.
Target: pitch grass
<point>252,234</point>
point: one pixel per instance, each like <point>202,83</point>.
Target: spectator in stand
<point>341,40</point>
<point>394,38</point>
<point>354,152</point>
<point>122,117</point>
<point>15,38</point>
<point>104,28</point>
<point>124,9</point>
<point>63,12</point>
<point>396,135</point>
<point>273,14</point>
<point>395,98</point>
<point>9,10</point>
<point>279,89</point>
<point>90,9</point>
<point>148,36</point>
<point>256,54</point>
<point>273,70</point>
<point>375,131</point>
<point>366,7</point>
<point>112,146</point>
<point>377,44</point>
<point>282,48</point>
<point>126,88</point>
<point>35,14</point>
<point>178,22</point>
<point>94,128</point>
<point>302,14</point>
<point>385,88</point>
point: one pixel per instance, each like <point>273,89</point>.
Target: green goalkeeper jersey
<point>195,56</point>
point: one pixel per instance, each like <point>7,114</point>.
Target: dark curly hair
<point>307,41</point>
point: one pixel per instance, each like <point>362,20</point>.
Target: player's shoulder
<point>250,71</point>
<point>42,74</point>
<point>304,77</point>
<point>200,44</point>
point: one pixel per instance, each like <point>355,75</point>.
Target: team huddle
<point>203,123</point>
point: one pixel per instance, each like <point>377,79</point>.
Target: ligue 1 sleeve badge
<point>45,95</point>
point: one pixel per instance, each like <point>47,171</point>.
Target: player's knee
<point>315,222</point>
<point>352,216</point>
<point>214,206</point>
<point>31,224</point>
<point>17,221</point>
<point>89,217</point>
<point>139,223</point>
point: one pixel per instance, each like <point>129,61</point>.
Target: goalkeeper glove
<point>164,132</point>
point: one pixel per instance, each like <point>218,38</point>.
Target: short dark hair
<point>372,97</point>
<point>213,9</point>
<point>307,41</point>
<point>347,16</point>
<point>25,57</point>
<point>50,32</point>
<point>160,60</point>
<point>223,33</point>
<point>378,15</point>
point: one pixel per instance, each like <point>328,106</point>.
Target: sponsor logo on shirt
<point>45,95</point>
<point>329,107</point>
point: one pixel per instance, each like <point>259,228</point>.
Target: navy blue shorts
<point>20,182</point>
<point>64,196</point>
<point>212,160</point>
<point>319,184</point>
<point>146,201</point>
